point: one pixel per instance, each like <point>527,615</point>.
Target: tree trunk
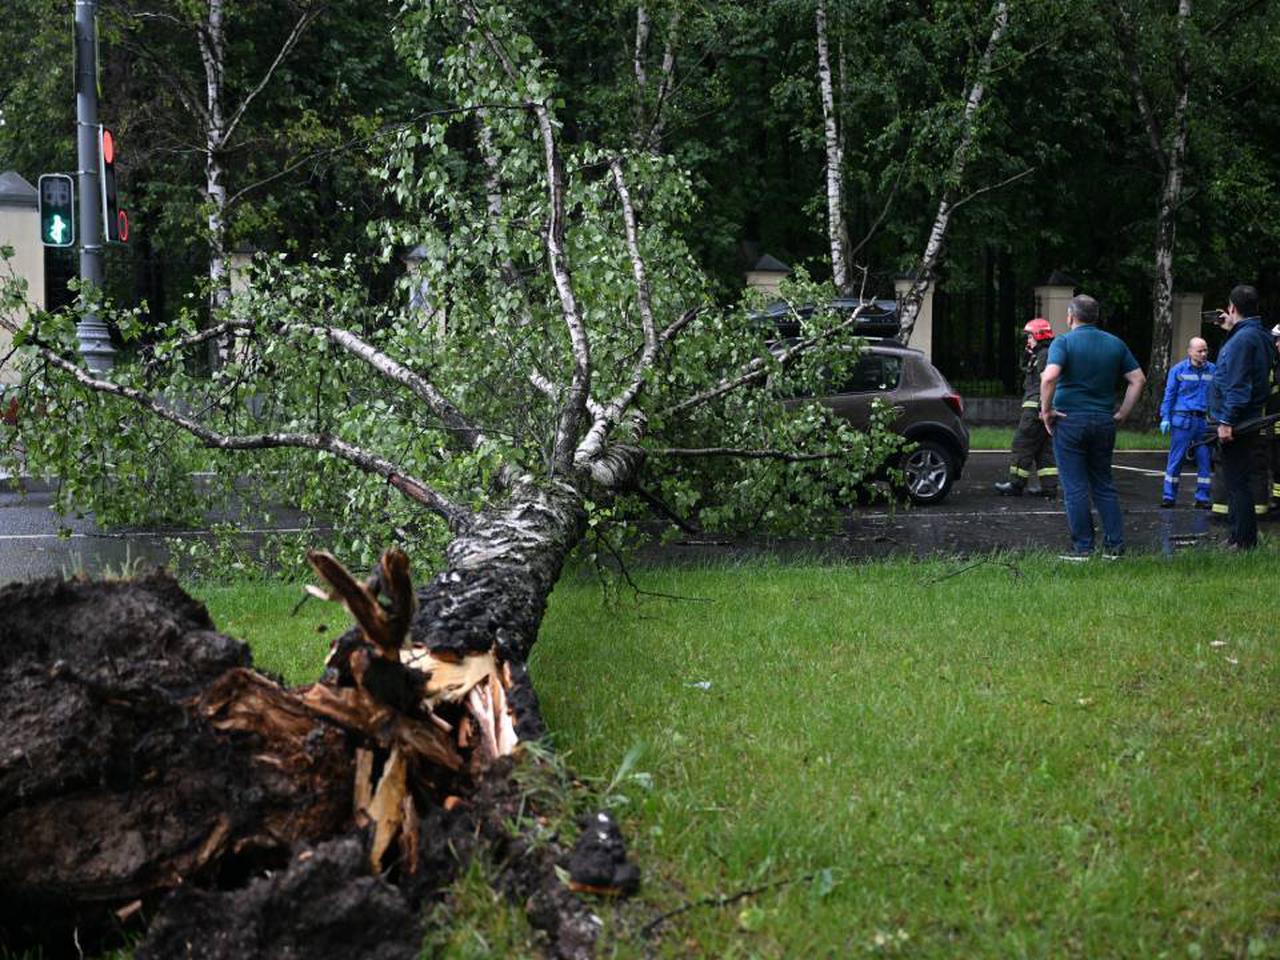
<point>212,42</point>
<point>837,227</point>
<point>147,773</point>
<point>926,272</point>
<point>1162,286</point>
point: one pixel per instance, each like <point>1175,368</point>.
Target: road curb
<point>12,484</point>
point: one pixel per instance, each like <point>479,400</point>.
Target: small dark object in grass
<point>598,863</point>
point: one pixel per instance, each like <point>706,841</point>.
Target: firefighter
<point>1260,459</point>
<point>1032,446</point>
<point>1182,416</point>
<point>1273,406</point>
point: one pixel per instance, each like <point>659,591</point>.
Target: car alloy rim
<point>926,472</point>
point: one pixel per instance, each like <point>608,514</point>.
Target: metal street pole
<point>95,338</point>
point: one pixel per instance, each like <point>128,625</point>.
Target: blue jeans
<point>1083,443</point>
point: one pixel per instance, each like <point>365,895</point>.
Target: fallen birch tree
<point>560,362</point>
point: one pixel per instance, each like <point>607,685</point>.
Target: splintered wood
<point>413,706</point>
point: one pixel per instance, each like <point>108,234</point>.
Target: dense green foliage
<point>742,117</point>
<point>912,759</point>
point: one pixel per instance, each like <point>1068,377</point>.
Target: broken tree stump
<point>151,780</point>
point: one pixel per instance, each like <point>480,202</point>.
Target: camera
<point>1211,316</point>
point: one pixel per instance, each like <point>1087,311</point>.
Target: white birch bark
<point>927,270</point>
<point>219,128</point>
<point>837,227</point>
<point>650,119</point>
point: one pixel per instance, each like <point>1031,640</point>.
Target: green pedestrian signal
<point>57,195</point>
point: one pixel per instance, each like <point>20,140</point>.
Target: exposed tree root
<point>151,779</point>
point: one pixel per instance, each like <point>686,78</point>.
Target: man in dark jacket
<point>1273,406</point>
<point>1032,446</point>
<point>1241,382</point>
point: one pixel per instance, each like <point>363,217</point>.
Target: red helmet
<point>1039,328</point>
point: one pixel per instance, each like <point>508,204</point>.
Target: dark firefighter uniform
<point>1264,480</point>
<point>1032,450</point>
<point>1273,406</point>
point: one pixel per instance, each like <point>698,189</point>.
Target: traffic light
<point>57,194</point>
<point>115,222</point>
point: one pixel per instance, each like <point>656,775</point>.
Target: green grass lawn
<point>1016,758</point>
<point>999,438</point>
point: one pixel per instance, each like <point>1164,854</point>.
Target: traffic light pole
<point>95,338</point>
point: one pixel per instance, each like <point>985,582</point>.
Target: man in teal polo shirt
<point>1078,407</point>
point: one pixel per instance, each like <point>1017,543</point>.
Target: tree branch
<point>992,186</point>
<point>195,339</point>
<point>758,368</point>
<point>308,16</point>
<point>458,517</point>
<point>468,435</point>
<point>1126,36</point>
<point>575,400</point>
<point>910,308</point>
<point>884,212</point>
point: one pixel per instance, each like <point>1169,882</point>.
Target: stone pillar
<point>922,334</point>
<point>1051,303</point>
<point>1186,323</point>
<point>767,274</point>
<point>20,229</point>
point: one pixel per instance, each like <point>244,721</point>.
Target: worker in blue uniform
<point>1182,418</point>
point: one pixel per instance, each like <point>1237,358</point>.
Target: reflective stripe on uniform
<point>1019,472</point>
<point>1030,404</point>
<point>1261,508</point>
<point>1047,472</point>
<point>1220,508</point>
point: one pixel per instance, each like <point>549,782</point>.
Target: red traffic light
<point>122,226</point>
<point>108,146</point>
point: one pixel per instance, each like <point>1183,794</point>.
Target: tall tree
<point>1168,141</point>
<point>217,98</point>
<point>837,228</point>
<point>966,134</point>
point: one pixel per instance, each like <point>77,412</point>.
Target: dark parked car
<point>930,414</point>
<point>879,318</point>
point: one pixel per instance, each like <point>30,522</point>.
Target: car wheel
<point>928,472</point>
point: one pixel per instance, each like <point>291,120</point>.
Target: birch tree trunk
<point>837,227</point>
<point>212,40</point>
<point>650,105</point>
<point>926,272</point>
<point>1171,160</point>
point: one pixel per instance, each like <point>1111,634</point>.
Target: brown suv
<point>930,415</point>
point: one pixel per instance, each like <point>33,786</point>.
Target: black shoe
<point>1075,556</point>
<point>1112,553</point>
<point>1201,505</point>
<point>1007,488</point>
<point>1047,494</point>
<point>1166,504</point>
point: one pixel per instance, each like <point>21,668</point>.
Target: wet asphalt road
<point>35,542</point>
<point>972,520</point>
